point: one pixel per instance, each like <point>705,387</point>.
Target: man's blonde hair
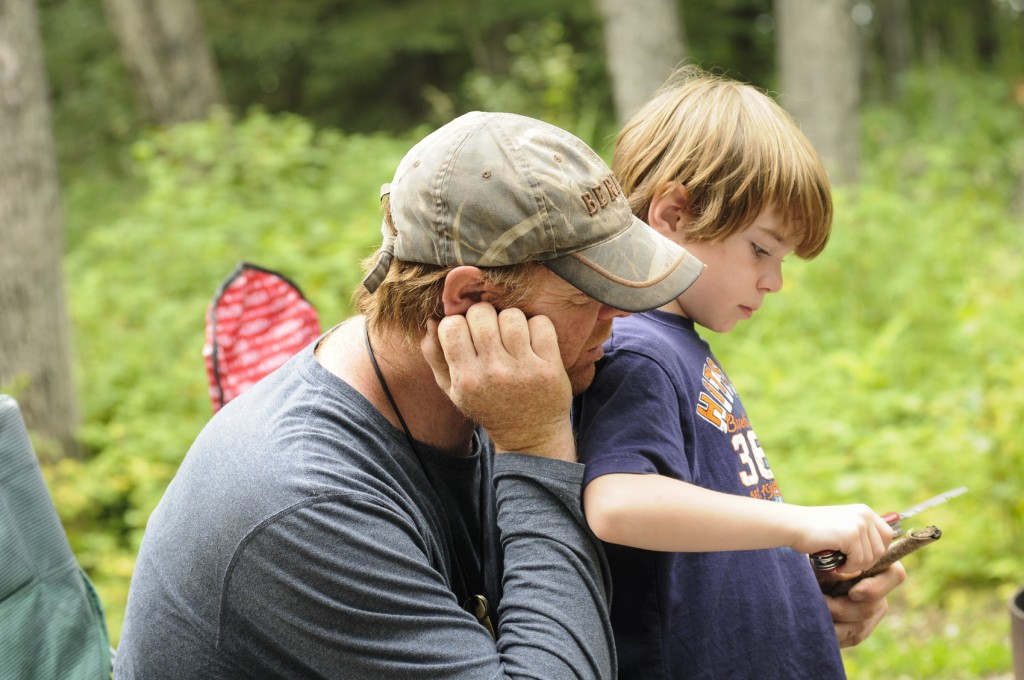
<point>736,152</point>
<point>411,292</point>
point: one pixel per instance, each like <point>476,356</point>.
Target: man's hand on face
<point>505,372</point>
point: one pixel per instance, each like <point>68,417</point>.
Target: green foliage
<point>93,109</point>
<point>374,65</point>
<point>397,56</point>
<point>965,639</point>
<point>363,65</point>
<point>543,81</point>
<point>737,36</point>
<point>270,190</point>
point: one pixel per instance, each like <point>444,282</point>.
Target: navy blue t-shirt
<point>661,404</point>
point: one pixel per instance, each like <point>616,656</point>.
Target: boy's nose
<point>771,282</point>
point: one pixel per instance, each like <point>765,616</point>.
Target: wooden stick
<point>898,549</point>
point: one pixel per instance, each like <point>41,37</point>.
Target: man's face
<point>581,322</point>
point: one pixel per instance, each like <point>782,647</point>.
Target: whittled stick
<point>898,549</point>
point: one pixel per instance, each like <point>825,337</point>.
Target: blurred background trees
<point>888,370</point>
<point>367,65</point>
<point>35,345</point>
<point>166,52</point>
<point>641,39</point>
<point>818,52</point>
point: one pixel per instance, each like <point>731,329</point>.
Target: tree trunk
<point>819,64</point>
<point>985,35</point>
<point>35,355</point>
<point>895,26</point>
<point>164,48</point>
<point>643,42</point>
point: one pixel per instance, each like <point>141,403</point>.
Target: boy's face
<point>741,271</point>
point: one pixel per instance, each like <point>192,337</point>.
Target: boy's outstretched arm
<point>856,614</point>
<point>654,512</point>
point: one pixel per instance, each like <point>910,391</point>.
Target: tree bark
<point>819,64</point>
<point>643,42</point>
<point>35,354</point>
<point>165,49</point>
<point>895,26</point>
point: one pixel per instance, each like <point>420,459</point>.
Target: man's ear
<point>463,287</point>
<point>669,212</point>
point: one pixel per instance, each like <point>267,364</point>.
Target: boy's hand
<point>505,372</point>
<point>855,530</point>
<point>856,614</point>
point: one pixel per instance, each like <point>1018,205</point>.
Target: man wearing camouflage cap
<point>401,499</point>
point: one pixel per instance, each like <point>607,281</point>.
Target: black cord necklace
<point>475,604</point>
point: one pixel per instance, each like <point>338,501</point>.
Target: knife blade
<point>894,519</point>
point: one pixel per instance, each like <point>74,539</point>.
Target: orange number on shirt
<point>739,445</point>
<point>752,456</point>
<point>759,458</point>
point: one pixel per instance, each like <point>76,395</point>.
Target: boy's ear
<point>669,213</point>
<point>463,287</point>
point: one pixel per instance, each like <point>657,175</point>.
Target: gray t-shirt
<point>302,538</point>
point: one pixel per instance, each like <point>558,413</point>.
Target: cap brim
<point>635,271</point>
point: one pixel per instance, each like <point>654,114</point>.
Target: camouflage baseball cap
<point>493,189</point>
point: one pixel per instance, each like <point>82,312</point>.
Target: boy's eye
<point>759,251</point>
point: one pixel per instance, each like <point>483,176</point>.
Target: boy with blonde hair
<point>710,569</point>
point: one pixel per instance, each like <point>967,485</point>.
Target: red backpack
<point>257,320</point>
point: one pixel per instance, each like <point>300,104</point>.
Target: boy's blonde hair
<point>736,152</point>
